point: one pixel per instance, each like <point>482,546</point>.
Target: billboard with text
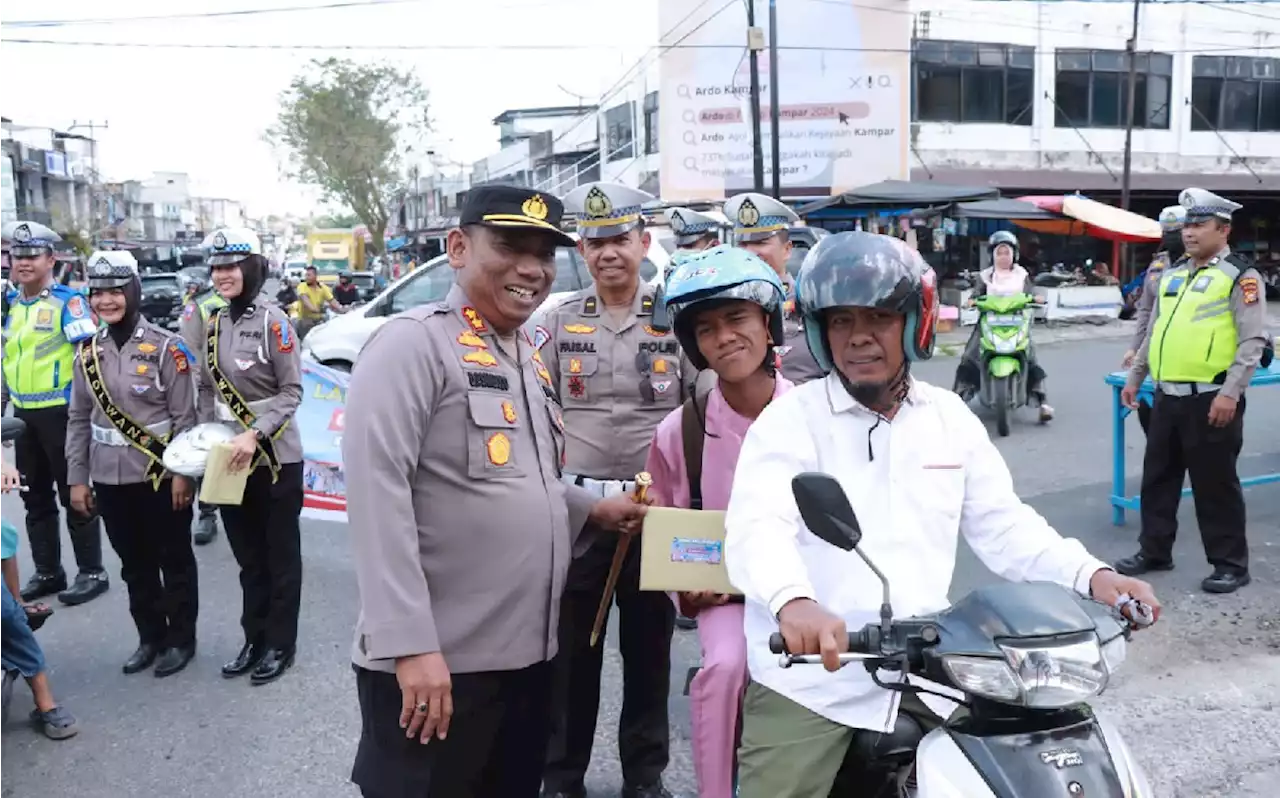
<point>843,86</point>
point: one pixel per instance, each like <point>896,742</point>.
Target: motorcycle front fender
<point>1002,366</point>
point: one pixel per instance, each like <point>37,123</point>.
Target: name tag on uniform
<point>1201,284</point>
<point>1174,285</point>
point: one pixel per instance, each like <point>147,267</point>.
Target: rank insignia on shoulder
<point>481,358</point>
<point>473,318</point>
<point>468,338</point>
<point>498,449</point>
<point>283,336</point>
<point>179,358</point>
<point>509,412</point>
<point>579,329</point>
<point>654,332</point>
<point>1249,289</point>
<point>146,348</point>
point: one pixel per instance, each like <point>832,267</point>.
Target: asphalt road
<point>1197,699</point>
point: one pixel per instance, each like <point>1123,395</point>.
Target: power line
<point>62,23</point>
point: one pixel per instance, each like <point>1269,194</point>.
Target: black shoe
<point>568,792</point>
<point>245,661</point>
<point>87,587</point>
<point>1139,564</point>
<point>273,666</point>
<point>655,790</point>
<point>206,530</point>
<point>141,659</point>
<point>174,659</point>
<point>686,623</point>
<point>41,585</point>
<point>1223,581</point>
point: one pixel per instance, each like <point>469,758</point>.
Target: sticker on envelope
<point>694,550</point>
<point>683,550</point>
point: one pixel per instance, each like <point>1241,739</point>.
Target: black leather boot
<point>87,587</point>
<point>141,659</point>
<point>1139,564</point>
<point>174,659</point>
<point>245,661</point>
<point>273,665</point>
<point>41,585</point>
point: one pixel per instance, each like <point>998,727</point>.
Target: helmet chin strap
<point>873,396</point>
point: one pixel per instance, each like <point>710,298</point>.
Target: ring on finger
<point>422,708</point>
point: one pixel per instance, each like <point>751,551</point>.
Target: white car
<point>337,342</point>
<point>295,270</point>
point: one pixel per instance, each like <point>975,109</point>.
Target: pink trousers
<point>715,698</point>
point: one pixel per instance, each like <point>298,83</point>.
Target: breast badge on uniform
<point>44,316</point>
<point>498,449</point>
<point>575,365</point>
<point>661,387</point>
<point>481,358</point>
<point>577,388</point>
<point>140,389</point>
<point>244,365</point>
<point>140,369</point>
<point>146,348</point>
<point>284,339</point>
<point>509,412</point>
<point>1249,288</point>
<point>468,338</point>
<point>579,329</point>
<point>659,366</point>
<point>180,360</point>
<point>473,318</point>
<point>654,333</point>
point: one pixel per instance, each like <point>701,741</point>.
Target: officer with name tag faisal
<point>618,376</point>
<point>693,231</point>
<point>251,380</point>
<point>44,323</point>
<point>132,392</point>
<point>762,225</point>
<point>1207,336</point>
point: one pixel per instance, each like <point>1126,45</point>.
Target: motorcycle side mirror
<point>13,428</point>
<point>826,510</point>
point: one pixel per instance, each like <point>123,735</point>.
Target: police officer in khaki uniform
<point>195,320</point>
<point>762,224</point>
<point>251,380</point>
<point>132,392</point>
<point>694,231</point>
<point>618,377</point>
<point>462,528</point>
<point>1171,251</point>
<point>1206,338</point>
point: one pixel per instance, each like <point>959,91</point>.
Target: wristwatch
<point>260,436</point>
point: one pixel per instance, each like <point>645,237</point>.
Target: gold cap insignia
<point>748,216</point>
<point>535,207</point>
<point>597,204</point>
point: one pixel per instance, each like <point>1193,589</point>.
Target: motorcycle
<point>1026,656</point>
<point>1004,328</point>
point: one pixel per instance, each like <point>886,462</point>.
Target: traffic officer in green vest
<point>195,320</point>
<point>45,322</point>
<point>1207,335</point>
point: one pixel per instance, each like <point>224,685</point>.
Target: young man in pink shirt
<point>726,307</point>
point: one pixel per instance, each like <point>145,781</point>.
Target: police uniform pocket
<point>491,439</point>
<point>576,372</point>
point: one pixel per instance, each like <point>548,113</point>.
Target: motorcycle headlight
<point>1036,675</point>
<point>1005,346</point>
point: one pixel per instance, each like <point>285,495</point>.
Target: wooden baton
<point>643,481</point>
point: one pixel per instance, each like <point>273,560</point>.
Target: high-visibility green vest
<point>210,304</point>
<point>39,345</point>
<point>1194,335</point>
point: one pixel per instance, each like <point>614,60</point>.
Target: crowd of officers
<point>499,460</point>
<point>103,392</point>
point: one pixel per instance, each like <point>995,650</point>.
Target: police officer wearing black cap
<point>1207,336</point>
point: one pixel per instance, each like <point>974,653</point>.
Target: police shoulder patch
<point>76,308</point>
<point>1249,290</point>
<point>180,354</point>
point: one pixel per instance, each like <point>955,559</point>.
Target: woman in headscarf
<point>131,393</point>
<point>251,380</point>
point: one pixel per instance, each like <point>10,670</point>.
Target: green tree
<point>341,220</point>
<point>345,127</point>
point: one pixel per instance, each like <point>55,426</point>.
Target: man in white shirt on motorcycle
<point>919,470</point>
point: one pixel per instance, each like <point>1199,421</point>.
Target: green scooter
<point>1004,335</point>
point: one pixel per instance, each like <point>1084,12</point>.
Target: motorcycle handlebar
<point>858,643</point>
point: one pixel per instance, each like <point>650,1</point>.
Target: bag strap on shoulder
<point>693,430</point>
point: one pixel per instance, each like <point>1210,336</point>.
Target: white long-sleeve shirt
<point>934,475</point>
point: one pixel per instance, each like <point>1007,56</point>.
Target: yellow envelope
<point>219,485</point>
<point>683,550</point>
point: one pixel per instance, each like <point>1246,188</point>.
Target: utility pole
<point>775,154</point>
<point>1132,49</point>
<point>755,43</point>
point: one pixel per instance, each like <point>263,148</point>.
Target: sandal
<point>37,613</point>
<point>57,723</point>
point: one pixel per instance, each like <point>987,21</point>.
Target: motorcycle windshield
<point>1004,304</point>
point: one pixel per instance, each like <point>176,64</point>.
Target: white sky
<point>203,111</point>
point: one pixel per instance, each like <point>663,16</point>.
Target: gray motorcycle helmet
<point>1003,237</point>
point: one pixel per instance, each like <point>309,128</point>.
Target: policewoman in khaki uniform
<point>1207,336</point>
<point>1171,251</point>
<point>762,225</point>
<point>251,380</point>
<point>461,528</point>
<point>195,320</point>
<point>617,377</point>
<point>132,393</point>
<point>42,324</point>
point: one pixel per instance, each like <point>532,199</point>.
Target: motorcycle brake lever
<point>1138,614</point>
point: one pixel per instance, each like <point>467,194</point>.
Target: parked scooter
<point>1004,335</point>
<point>1026,656</point>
